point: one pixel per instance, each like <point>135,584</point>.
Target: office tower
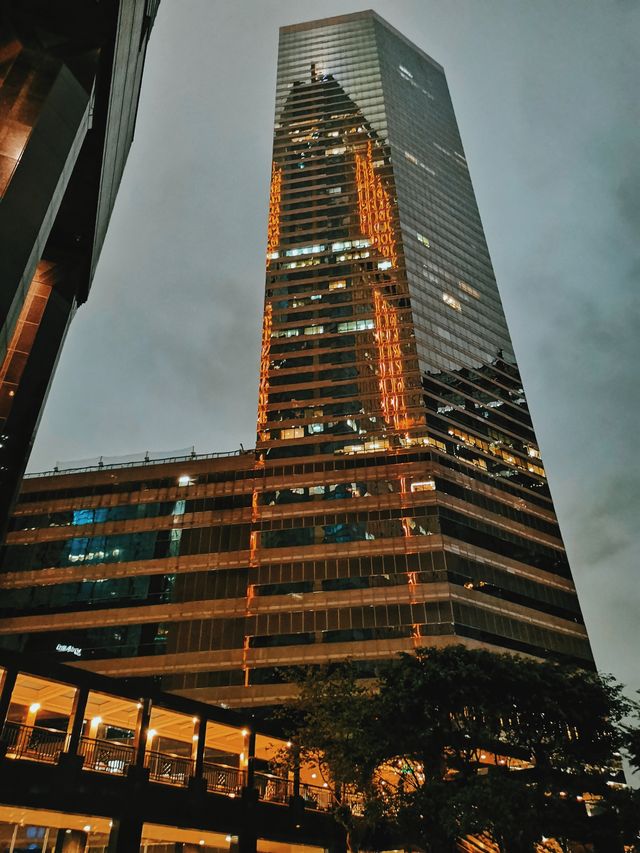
<point>70,75</point>
<point>396,497</point>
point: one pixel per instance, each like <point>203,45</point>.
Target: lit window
<point>274,255</point>
<point>443,150</point>
<point>314,428</point>
<point>313,330</point>
<point>332,152</point>
<point>452,301</point>
<point>368,446</point>
<point>384,265</point>
<point>424,486</point>
<point>185,480</point>
<point>411,158</point>
<point>356,326</point>
<point>534,452</point>
<point>294,432</point>
<point>304,250</point>
<point>352,255</point>
<point>340,284</point>
<point>468,289</point>
<point>422,239</point>
<point>292,265</point>
<point>285,333</point>
<point>333,190</point>
<point>405,72</point>
<point>349,244</point>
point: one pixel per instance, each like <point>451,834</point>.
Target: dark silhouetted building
<point>70,74</point>
<point>396,497</point>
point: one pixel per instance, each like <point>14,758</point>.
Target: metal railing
<point>100,464</point>
<point>170,769</point>
<point>355,801</point>
<point>106,756</point>
<point>33,742</point>
<point>317,798</point>
<point>222,779</point>
<point>273,789</point>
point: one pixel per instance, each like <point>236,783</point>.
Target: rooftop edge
<point>354,16</point>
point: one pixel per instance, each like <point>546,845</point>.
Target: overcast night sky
<point>165,353</point>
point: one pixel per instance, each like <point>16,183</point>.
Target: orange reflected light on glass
<point>273,227</point>
<point>23,337</point>
<point>374,207</point>
<point>263,387</point>
<point>390,369</point>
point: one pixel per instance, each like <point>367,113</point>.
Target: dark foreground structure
<point>70,75</point>
<point>396,497</point>
<point>89,765</point>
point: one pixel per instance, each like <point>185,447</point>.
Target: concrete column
<point>296,771</point>
<point>76,720</point>
<point>197,782</point>
<point>125,835</point>
<point>251,759</point>
<point>142,731</point>
<point>197,752</point>
<point>71,841</point>
<point>8,683</point>
<point>247,841</point>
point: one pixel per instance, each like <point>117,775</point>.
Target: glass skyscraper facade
<point>396,497</point>
<point>70,78</point>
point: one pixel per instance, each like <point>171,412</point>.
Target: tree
<point>452,742</point>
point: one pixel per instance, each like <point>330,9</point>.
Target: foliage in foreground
<point>452,742</point>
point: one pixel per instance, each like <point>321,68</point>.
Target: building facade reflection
<point>70,77</point>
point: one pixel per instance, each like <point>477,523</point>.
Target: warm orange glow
<point>23,337</point>
<point>374,207</point>
<point>245,665</point>
<point>253,547</point>
<point>390,371</point>
<point>263,387</point>
<point>273,228</point>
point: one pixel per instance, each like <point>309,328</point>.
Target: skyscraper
<point>70,75</point>
<point>396,497</point>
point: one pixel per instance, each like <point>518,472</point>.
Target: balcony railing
<point>33,742</point>
<point>273,789</point>
<point>354,801</point>
<point>319,799</point>
<point>170,769</point>
<point>106,756</point>
<point>222,779</point>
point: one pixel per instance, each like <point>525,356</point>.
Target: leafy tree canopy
<point>453,742</point>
